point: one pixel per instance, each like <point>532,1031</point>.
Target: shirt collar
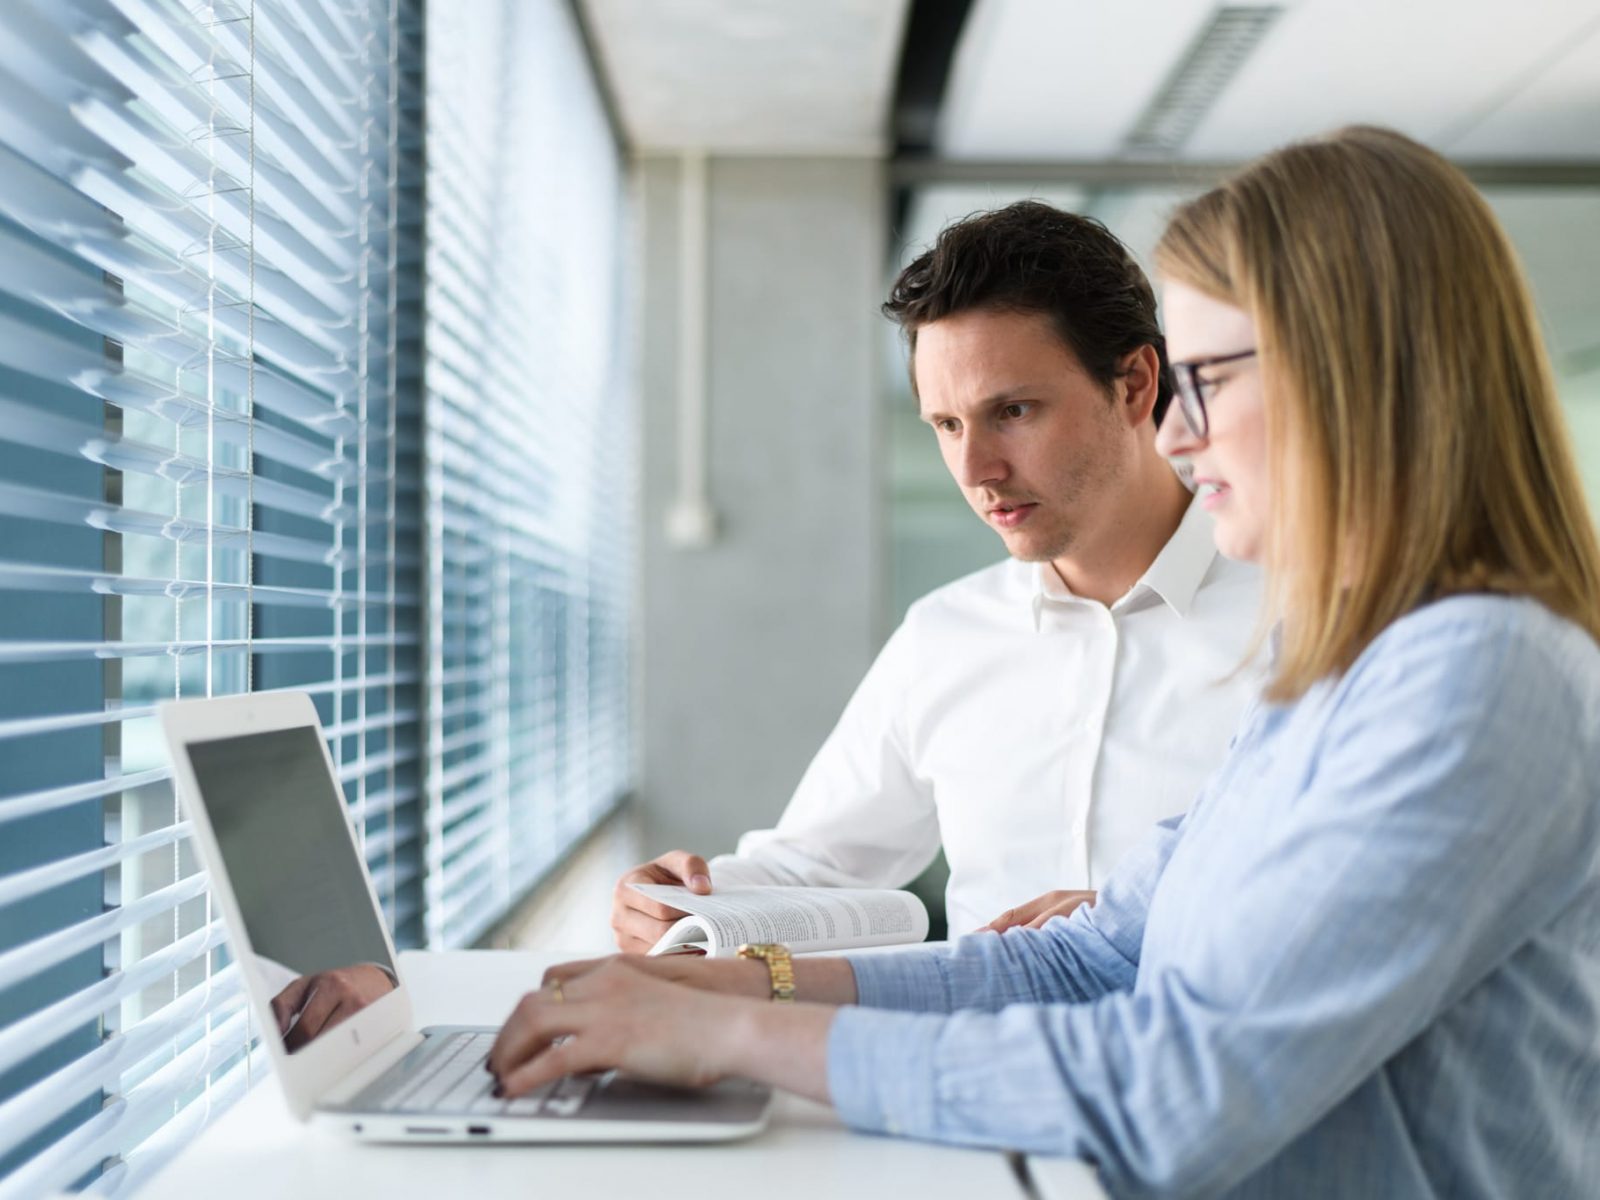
<point>1175,576</point>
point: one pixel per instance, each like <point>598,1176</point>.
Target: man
<point>1038,716</point>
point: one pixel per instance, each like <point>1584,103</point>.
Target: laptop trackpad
<point>624,1099</point>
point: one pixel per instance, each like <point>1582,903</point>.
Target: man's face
<point>1035,443</point>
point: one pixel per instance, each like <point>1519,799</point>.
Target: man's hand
<point>314,1004</point>
<point>1036,912</point>
<point>639,921</point>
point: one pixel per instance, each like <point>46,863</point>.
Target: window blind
<point>529,485</point>
<point>210,369</point>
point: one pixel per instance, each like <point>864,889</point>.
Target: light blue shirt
<point>1366,963</point>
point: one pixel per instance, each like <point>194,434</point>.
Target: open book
<point>803,918</point>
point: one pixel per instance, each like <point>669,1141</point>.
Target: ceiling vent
<point>1200,77</point>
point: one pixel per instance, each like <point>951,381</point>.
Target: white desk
<point>257,1150</point>
<point>1063,1179</point>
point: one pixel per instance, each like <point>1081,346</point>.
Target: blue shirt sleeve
<point>1444,817</point>
<point>1090,953</point>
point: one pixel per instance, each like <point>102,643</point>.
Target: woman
<point>1367,962</point>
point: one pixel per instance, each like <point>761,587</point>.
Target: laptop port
<point>478,1130</point>
<point>426,1129</point>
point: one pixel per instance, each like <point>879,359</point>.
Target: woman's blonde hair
<point>1416,445</point>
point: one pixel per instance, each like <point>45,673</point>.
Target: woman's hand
<point>726,976</point>
<point>816,979</point>
<point>614,1016</point>
<point>619,1016</point>
<point>1037,911</point>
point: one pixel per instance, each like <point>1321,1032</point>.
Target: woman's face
<point>1230,462</point>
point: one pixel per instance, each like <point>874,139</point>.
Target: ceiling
<point>751,76</point>
<point>1068,80</point>
<point>1483,79</point>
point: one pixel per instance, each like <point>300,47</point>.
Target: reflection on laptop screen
<point>279,822</point>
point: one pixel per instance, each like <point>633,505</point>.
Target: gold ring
<point>555,990</point>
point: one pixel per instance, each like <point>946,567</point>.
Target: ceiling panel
<point>1053,79</point>
<point>756,76</point>
<point>1556,115</point>
<point>1068,79</point>
<point>1429,68</point>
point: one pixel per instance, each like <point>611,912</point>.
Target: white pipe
<point>691,521</point>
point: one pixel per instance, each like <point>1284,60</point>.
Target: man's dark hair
<point>1031,258</point>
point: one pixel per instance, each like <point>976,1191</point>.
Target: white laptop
<point>271,825</point>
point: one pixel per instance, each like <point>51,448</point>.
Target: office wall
<point>750,647</point>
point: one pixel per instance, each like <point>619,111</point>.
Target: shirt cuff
<point>881,1074</point>
<point>910,980</point>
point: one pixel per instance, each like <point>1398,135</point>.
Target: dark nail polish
<point>499,1092</point>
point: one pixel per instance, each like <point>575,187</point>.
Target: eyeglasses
<point>1186,384</point>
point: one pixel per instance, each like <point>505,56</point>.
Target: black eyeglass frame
<point>1186,387</point>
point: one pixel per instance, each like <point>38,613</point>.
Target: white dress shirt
<point>1037,734</point>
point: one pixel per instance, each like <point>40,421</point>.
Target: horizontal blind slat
<point>21,652</point>
<point>137,1166</point>
<point>27,577</point>
<point>20,885</point>
<point>25,1037</point>
<point>42,1103</point>
<point>30,804</point>
<point>151,1155</point>
<point>19,727</point>
<point>30,958</point>
<point>221,87</point>
<point>125,1119</point>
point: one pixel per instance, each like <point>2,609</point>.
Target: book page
<point>804,919</point>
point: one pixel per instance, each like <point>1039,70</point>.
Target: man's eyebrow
<point>1008,395</point>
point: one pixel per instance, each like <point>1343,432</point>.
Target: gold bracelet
<point>780,967</point>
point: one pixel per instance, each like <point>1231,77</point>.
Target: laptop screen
<point>302,891</point>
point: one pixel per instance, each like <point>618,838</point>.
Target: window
<point>242,447</point>
<point>529,478</point>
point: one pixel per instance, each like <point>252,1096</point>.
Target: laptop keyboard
<point>446,1075</point>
